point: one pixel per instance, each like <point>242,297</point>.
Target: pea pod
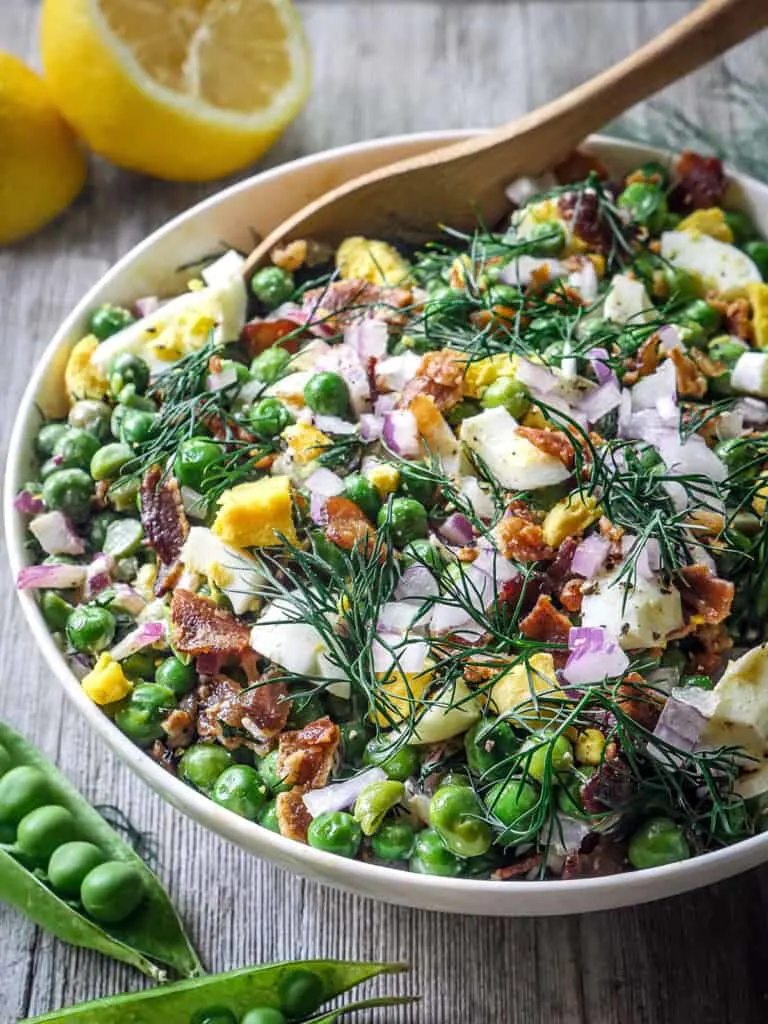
<point>298,989</point>
<point>152,933</point>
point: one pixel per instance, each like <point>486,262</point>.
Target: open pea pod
<point>152,933</point>
<point>298,989</point>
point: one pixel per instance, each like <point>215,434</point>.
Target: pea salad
<point>451,559</point>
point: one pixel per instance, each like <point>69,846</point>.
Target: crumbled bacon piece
<point>440,376</point>
<point>517,869</point>
<point>227,430</point>
<point>235,716</point>
<point>305,756</point>
<point>545,622</point>
<point>199,627</point>
<point>551,442</point>
<point>637,701</point>
<point>303,252</point>
<point>348,526</point>
<point>577,166</point>
<point>521,540</point>
<point>165,525</point>
<point>258,335</point>
<point>610,788</point>
<point>607,857</point>
<point>345,299</point>
<point>691,383</point>
<point>582,210</point>
<point>644,362</point>
<point>735,314</point>
<point>293,818</point>
<point>708,644</point>
<point>560,569</point>
<point>701,182</point>
<point>705,595</point>
<point>571,595</point>
<point>179,726</point>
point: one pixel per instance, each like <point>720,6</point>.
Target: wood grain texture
<point>380,67</point>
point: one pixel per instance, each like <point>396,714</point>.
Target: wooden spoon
<point>457,183</point>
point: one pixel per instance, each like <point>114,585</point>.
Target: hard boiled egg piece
<point>719,266</point>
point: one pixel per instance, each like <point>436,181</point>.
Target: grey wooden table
<point>380,67</point>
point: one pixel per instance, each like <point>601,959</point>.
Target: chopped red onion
<point>28,503</point>
<point>145,635</point>
<point>56,577</point>
<point>680,723</point>
<point>601,401</point>
<point>340,795</point>
<point>570,833</point>
<point>99,575</point>
<point>585,281</point>
<point>334,425</point>
<point>393,649</point>
<point>146,305</point>
<point>368,338</point>
<point>394,372</point>
<point>590,556</point>
<point>648,560</point>
<point>397,617</point>
<point>127,599</point>
<point>594,655</point>
<point>56,535</point>
<point>457,529</point>
<point>598,360</point>
<point>669,338</point>
<point>450,617</point>
<point>401,433</point>
<point>754,411</point>
<point>223,379</point>
<point>317,513</point>
<point>648,390</point>
<point>690,456</point>
<point>729,424</point>
<point>534,376</point>
<point>325,482</point>
<point>494,565</point>
<point>480,500</point>
<point>371,426</point>
<point>522,268</point>
<point>417,581</point>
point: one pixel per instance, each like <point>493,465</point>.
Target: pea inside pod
<point>267,994</point>
<point>49,815</point>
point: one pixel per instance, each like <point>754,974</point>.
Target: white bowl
<point>259,204</point>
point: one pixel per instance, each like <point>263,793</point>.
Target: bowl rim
<point>415,890</point>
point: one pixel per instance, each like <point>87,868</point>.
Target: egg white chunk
<point>719,266</point>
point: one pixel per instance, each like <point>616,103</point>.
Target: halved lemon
<point>180,89</point>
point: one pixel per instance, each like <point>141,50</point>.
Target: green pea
<point>109,460</point>
<point>124,495</point>
<point>112,891</point>
<point>509,393</point>
<point>141,723</point>
<point>93,416</point>
<point>128,368</point>
<point>241,790</point>
<point>272,286</point>
<point>176,675</point>
<point>547,753</point>
<point>398,764</point>
<point>335,832</point>
<point>454,778</point>
<point>123,538</point>
<point>431,856</point>
<point>327,394</point>
<point>407,520</point>
<point>116,419</point>
<point>5,761</point>
<point>457,815</point>
<point>375,801</point>
<point>504,295</point>
<point>547,238</point>
<point>263,1015</point>
<point>704,314</point>
<point>414,483</point>
<point>329,553</point>
<point>154,695</point>
<point>487,747</point>
<point>741,226</point>
<point>654,172</point>
<point>139,665</point>
<point>681,284</point>
<point>55,610</point>
<point>22,790</point>
<point>467,407</point>
<point>270,775</point>
<point>194,459</point>
<point>658,841</point>
<point>107,320</point>
<point>423,552</point>
<point>137,425</point>
<point>270,365</point>
<point>69,491</point>
<point>700,681</point>
<point>48,437</point>
<point>268,817</point>
<point>569,795</point>
<point>97,528</point>
<point>737,454</point>
<point>758,253</point>
<point>90,629</point>
<point>512,803</point>
<point>269,418</point>
<point>354,737</point>
<point>305,709</point>
<point>69,864</point>
<point>360,490</point>
<point>202,764</point>
<point>130,400</point>
<point>691,334</point>
<point>394,840</point>
<point>646,203</point>
<point>44,829</point>
<point>214,1015</point>
<point>301,991</point>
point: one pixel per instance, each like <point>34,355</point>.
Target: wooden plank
<point>380,68</point>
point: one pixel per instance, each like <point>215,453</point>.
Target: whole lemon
<point>42,166</point>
